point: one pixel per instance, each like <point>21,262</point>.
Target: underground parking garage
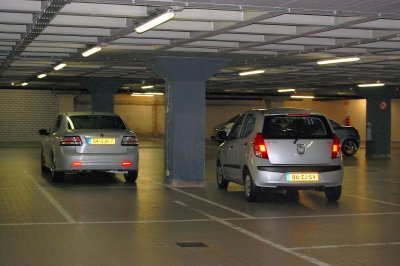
<point>174,214</point>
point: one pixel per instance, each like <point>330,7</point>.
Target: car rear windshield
<point>294,127</point>
<point>96,122</point>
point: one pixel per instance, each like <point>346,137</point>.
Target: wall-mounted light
<point>43,75</point>
<point>60,66</point>
<point>338,60</point>
<point>378,84</point>
<point>286,90</point>
<point>252,72</point>
<point>160,19</point>
<point>302,97</point>
<point>24,84</point>
<point>91,51</point>
<point>147,87</point>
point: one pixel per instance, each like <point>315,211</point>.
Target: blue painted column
<point>185,101</point>
<point>102,93</point>
<point>378,124</point>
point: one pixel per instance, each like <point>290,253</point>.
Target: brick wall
<point>24,112</point>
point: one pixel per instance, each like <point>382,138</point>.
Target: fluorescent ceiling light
<point>148,87</point>
<point>141,94</point>
<point>302,97</point>
<point>164,17</point>
<point>24,84</point>
<point>378,84</point>
<point>338,60</point>
<point>91,51</point>
<point>41,75</point>
<point>157,93</point>
<point>253,72</point>
<point>60,66</point>
<point>286,90</point>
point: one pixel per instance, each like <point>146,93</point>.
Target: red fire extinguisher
<point>348,120</point>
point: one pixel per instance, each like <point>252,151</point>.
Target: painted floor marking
<point>347,245</point>
<point>374,200</point>
<point>255,236</point>
<point>211,202</point>
<point>52,200</point>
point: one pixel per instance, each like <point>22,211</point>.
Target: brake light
<point>259,147</point>
<point>336,149</point>
<point>126,164</point>
<point>71,141</point>
<point>129,141</point>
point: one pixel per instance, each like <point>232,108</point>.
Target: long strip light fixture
<point>24,84</point>
<point>43,75</point>
<point>154,22</point>
<point>286,90</point>
<point>252,72</point>
<point>147,87</point>
<point>378,84</point>
<point>302,97</point>
<point>338,60</point>
<point>91,51</point>
<point>60,66</point>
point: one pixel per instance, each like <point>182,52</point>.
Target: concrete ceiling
<point>284,37</point>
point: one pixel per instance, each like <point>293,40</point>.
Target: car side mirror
<point>43,132</point>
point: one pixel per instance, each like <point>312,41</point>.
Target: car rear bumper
<point>275,176</point>
<point>66,161</point>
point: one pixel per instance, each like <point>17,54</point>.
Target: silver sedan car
<point>89,141</point>
<point>281,148</point>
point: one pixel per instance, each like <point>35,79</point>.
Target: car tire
<point>57,176</point>
<point>251,190</point>
<point>131,176</point>
<point>349,147</point>
<point>333,193</point>
<point>221,181</point>
<point>43,168</point>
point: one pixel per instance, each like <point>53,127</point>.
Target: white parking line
<point>374,200</point>
<point>255,236</point>
<point>346,246</point>
<point>52,200</point>
<point>211,202</point>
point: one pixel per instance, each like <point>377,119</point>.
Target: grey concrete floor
<point>101,220</point>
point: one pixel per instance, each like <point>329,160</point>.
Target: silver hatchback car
<point>89,141</point>
<point>281,148</point>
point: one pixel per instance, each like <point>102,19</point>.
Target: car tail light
<point>336,150</point>
<point>76,164</point>
<point>129,141</point>
<point>71,141</point>
<point>126,163</point>
<point>259,147</point>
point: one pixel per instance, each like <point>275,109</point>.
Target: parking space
<point>101,220</point>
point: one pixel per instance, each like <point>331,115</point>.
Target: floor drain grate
<point>191,244</point>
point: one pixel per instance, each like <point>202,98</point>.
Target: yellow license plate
<point>302,177</point>
<point>101,141</point>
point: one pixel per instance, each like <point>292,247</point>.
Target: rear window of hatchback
<point>95,122</point>
<point>295,127</point>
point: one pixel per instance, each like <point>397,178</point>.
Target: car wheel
<point>131,176</point>
<point>333,193</point>
<point>349,147</point>
<point>42,163</point>
<point>221,181</point>
<point>57,176</point>
<point>250,189</point>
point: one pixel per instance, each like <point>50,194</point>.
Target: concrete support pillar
<point>185,116</point>
<point>378,131</point>
<point>102,93</point>
<point>66,101</point>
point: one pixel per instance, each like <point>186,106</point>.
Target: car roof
<point>286,110</point>
<point>89,113</point>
